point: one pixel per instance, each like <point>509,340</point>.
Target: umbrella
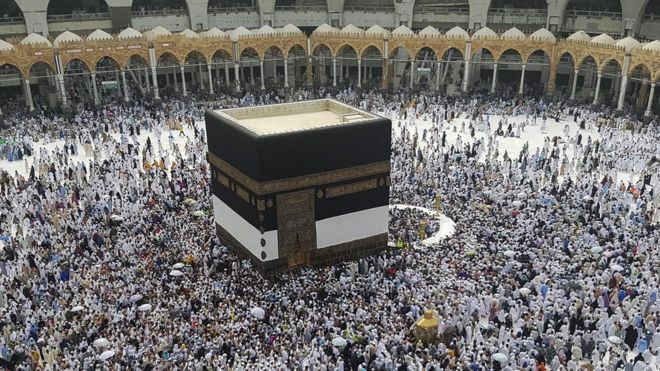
<point>587,198</point>
<point>615,339</point>
<point>101,343</point>
<point>509,253</point>
<point>258,312</point>
<point>471,253</point>
<point>199,213</point>
<point>522,195</point>
<point>596,249</point>
<point>339,342</point>
<point>516,203</point>
<point>178,266</point>
<point>117,218</point>
<point>501,358</point>
<point>524,291</point>
<point>144,307</point>
<point>189,201</point>
<point>77,308</point>
<point>135,298</point>
<point>176,273</point>
<point>106,355</point>
<point>616,267</point>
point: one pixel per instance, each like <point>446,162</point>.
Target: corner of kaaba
<point>297,184</point>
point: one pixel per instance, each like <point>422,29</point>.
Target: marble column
<point>208,66</point>
<point>600,76</point>
<point>334,71</point>
<point>286,72</point>
<point>412,73</point>
<point>28,94</point>
<point>522,79</point>
<point>236,77</point>
<point>649,104</point>
<point>622,92</point>
<point>155,81</point>
<point>261,71</point>
<point>183,82</point>
<point>125,85</point>
<point>494,83</point>
<point>575,78</point>
<point>94,89</point>
<point>359,82</point>
<point>466,75</point>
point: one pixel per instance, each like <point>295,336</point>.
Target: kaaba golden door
<point>296,226</point>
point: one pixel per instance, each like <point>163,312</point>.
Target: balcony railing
<point>77,16</point>
<point>592,14</point>
<point>159,12</point>
<point>302,8</point>
<point>232,9</point>
<point>439,9</point>
<point>12,19</point>
<point>519,12</point>
<point>368,8</point>
<point>652,17</point>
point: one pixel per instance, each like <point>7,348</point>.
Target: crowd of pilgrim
<point>109,259</point>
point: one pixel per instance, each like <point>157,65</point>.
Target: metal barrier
<point>77,16</point>
<point>159,12</point>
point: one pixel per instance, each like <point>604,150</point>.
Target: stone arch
<point>370,46</point>
<point>106,58</point>
<point>343,48</point>
<point>564,53</point>
<point>39,65</point>
<point>167,57</point>
<point>397,49</point>
<point>490,53</point>
<point>320,46</point>
<point>526,57</point>
<point>294,45</point>
<point>248,69</point>
<point>196,54</point>
<point>453,51</point>
<point>640,67</point>
<point>221,52</point>
<point>637,89</point>
<point>130,61</point>
<point>251,52</point>
<point>608,63</point>
<point>510,52</point>
<point>74,65</point>
<point>584,58</point>
<point>273,51</point>
<point>8,69</point>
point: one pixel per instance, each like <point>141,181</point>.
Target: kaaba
<point>304,183</point>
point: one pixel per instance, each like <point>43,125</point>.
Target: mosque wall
<point>300,18</point>
<point>178,22</point>
<point>651,28</point>
<point>13,28</point>
<point>80,25</point>
<point>368,19</point>
<point>593,23</point>
<point>234,20</point>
